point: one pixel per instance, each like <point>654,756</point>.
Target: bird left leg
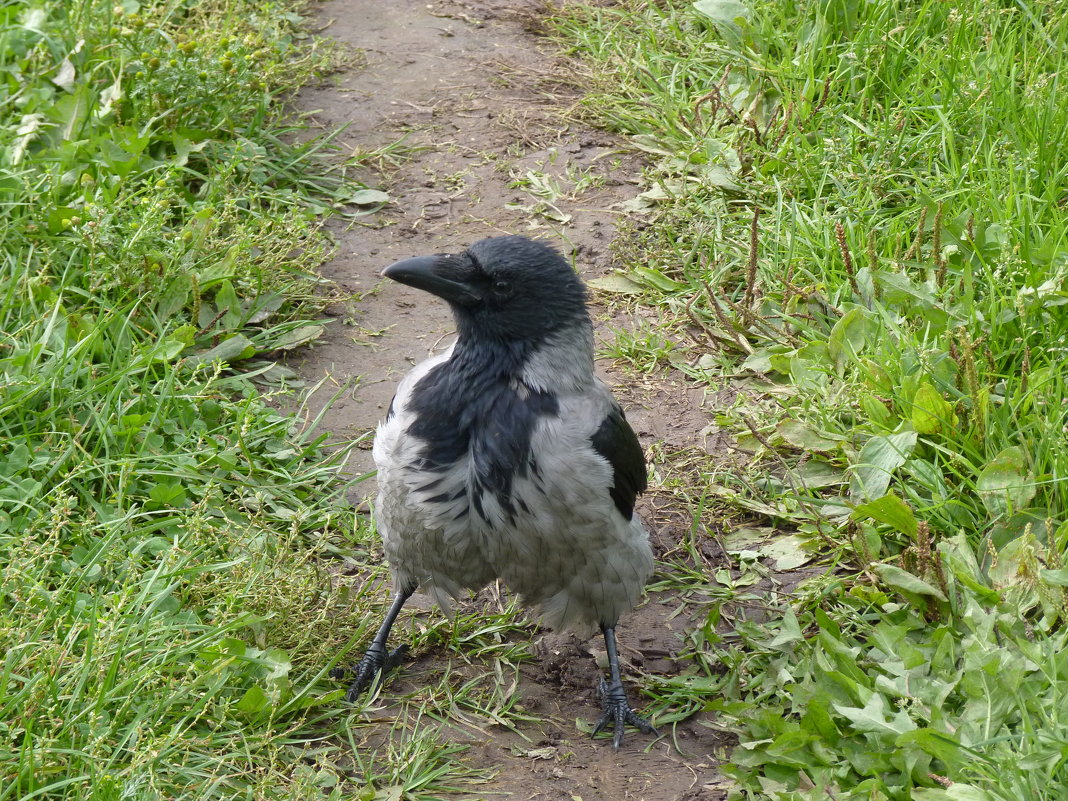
<point>614,705</point>
<point>377,659</point>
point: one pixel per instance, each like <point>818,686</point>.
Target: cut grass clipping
<point>857,211</point>
<point>165,613</point>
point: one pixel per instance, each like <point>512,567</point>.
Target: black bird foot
<point>616,710</point>
<point>376,660</point>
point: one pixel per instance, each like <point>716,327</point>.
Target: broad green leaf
<point>226,299</point>
<point>906,582</point>
<point>650,144</point>
<point>789,631</point>
<point>787,552</point>
<point>847,337</point>
<point>18,460</point>
<point>296,337</point>
<point>876,463</point>
<point>278,660</point>
<point>804,373</point>
<point>814,474</point>
<point>816,352</point>
<point>265,306</point>
<point>892,511</point>
<point>368,197</point>
<point>876,410</point>
<point>723,12</point>
<point>234,349</point>
<point>715,175</point>
<point>1058,578</point>
<point>872,717</point>
<point>223,651</point>
<point>656,279</point>
<point>1011,527</point>
<point>759,361</point>
<point>931,413</point>
<point>898,289</point>
<point>254,703</point>
<point>221,270</point>
<point>617,282</point>
<point>174,296</point>
<point>1005,483</point>
<point>1017,564</point>
<point>184,334</point>
<point>806,438</point>
<point>746,537</point>
<point>168,495</point>
<point>942,746</point>
<point>61,218</point>
<point>960,558</point>
<point>168,350</point>
<point>817,718</point>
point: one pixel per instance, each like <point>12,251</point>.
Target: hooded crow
<point>505,457</point>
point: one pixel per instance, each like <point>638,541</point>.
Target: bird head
<point>507,287</point>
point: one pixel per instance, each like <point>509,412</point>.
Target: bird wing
<point>616,441</point>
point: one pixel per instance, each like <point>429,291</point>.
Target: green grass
<point>170,544</point>
<point>857,212</point>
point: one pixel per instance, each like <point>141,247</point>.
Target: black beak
<point>433,274</point>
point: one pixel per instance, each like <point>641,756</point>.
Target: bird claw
<point>375,661</point>
<point>616,710</point>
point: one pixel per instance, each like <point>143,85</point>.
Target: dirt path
<point>479,96</point>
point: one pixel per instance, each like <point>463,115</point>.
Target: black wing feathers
<point>616,441</point>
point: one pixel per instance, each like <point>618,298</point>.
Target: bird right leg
<point>616,710</point>
<point>376,658</point>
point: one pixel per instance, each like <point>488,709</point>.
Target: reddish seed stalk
<point>847,257</point>
<point>751,271</point>
<point>936,248</point>
<point>914,251</point>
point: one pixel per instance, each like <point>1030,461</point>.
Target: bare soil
<point>479,98</point>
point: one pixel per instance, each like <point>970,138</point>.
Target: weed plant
<point>166,607</point>
<point>858,210</point>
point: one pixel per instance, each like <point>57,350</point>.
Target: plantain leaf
<point>1005,483</point>
<point>906,582</point>
<point>876,463</point>
<point>931,413</point>
<point>892,511</point>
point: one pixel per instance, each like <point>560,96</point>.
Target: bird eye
<point>502,287</point>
